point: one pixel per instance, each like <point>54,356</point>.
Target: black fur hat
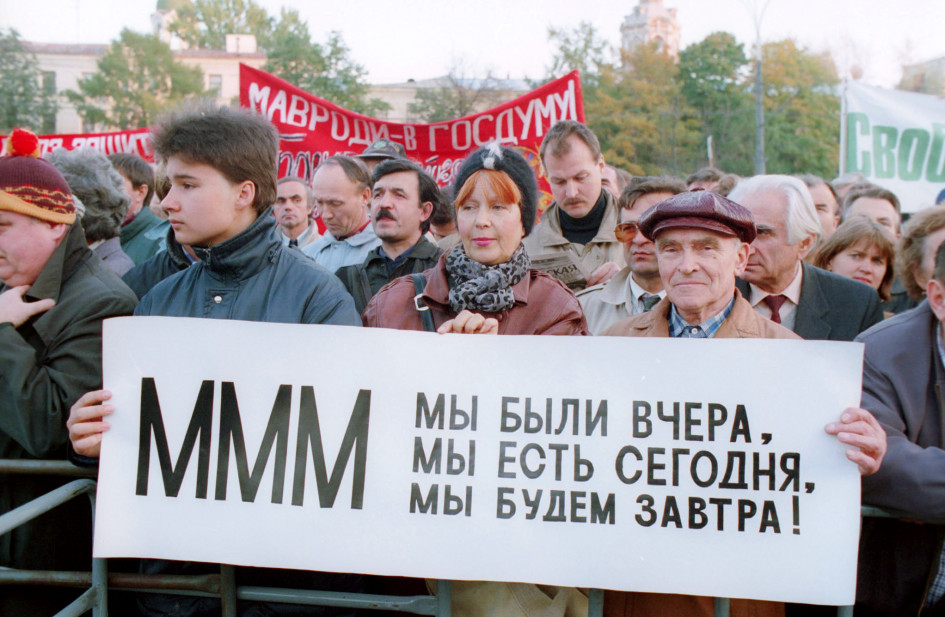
<point>511,163</point>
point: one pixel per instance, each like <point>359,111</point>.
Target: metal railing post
<point>228,589</point>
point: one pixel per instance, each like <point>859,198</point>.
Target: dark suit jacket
<point>832,307</point>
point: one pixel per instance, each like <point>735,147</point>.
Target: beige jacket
<point>546,237</point>
<point>604,305</point>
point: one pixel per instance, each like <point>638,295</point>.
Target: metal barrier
<point>222,586</point>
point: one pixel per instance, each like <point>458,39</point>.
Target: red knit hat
<point>32,186</point>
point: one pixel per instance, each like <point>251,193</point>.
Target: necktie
<point>648,301</point>
<point>774,303</point>
<point>294,243</point>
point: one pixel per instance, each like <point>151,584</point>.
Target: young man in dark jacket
<point>221,164</point>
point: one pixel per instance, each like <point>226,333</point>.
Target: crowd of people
<point>371,240</point>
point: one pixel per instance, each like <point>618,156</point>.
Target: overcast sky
<point>419,39</point>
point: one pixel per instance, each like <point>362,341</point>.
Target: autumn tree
<point>137,79</point>
<point>325,70</point>
<point>802,110</point>
<point>640,116</point>
<point>25,101</point>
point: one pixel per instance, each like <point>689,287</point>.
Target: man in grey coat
<point>900,566</point>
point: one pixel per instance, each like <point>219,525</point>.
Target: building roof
<point>96,49</point>
<point>515,85</point>
<point>76,49</point>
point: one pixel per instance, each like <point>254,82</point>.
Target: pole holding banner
<point>843,127</point>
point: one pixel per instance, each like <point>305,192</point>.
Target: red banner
<point>312,129</point>
<point>136,141</point>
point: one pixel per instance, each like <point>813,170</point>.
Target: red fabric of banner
<point>312,129</point>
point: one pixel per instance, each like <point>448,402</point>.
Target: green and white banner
<point>897,140</point>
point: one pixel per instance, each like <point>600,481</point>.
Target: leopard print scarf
<point>481,288</point>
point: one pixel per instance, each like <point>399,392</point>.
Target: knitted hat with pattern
<point>30,185</point>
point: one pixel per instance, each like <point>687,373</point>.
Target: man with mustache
<point>638,287</point>
<point>402,203</point>
<point>582,218</point>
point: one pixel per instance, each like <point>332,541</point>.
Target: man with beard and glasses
<point>402,203</point>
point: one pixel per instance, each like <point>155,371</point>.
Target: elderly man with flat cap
<point>702,243</point>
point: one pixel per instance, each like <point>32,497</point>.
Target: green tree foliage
<point>712,79</point>
<point>24,102</point>
<point>647,112</point>
<point>581,49</point>
<point>324,70</point>
<point>205,23</point>
<point>653,116</point>
<point>137,79</point>
<point>802,110</point>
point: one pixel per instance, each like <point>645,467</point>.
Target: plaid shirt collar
<point>679,327</point>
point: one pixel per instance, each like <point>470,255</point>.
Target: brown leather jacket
<point>543,305</point>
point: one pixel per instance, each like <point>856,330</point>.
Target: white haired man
<point>813,303</point>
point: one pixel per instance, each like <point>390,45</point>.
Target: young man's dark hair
<point>429,191</point>
<point>870,190</point>
<point>240,144</point>
<point>644,185</point>
<point>706,174</point>
<point>557,139</point>
<point>136,170</point>
<point>443,213</point>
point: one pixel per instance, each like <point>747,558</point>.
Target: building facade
<point>651,21</point>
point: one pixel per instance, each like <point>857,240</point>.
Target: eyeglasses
<point>626,232</point>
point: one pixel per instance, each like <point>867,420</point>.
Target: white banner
<point>897,140</point>
<point>694,467</point>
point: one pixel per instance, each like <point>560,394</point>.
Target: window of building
<point>215,85</point>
